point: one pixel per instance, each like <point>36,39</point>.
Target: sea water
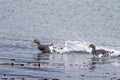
<point>70,24</point>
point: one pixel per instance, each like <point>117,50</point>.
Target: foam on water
<point>75,46</point>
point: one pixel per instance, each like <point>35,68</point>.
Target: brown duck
<point>43,48</point>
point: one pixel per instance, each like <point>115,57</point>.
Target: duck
<point>42,47</point>
<point>99,52</point>
<point>49,48</point>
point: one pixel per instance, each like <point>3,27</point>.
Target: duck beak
<point>33,41</point>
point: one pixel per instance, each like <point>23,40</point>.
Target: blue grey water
<point>71,24</point>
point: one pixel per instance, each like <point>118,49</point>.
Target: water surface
<point>66,23</point>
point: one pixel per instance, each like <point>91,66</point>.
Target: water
<point>66,23</point>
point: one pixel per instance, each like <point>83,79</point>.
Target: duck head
<point>35,41</point>
<point>91,46</point>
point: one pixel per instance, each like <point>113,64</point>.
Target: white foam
<point>74,46</point>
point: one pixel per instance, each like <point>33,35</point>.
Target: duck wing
<point>44,48</point>
<point>101,51</point>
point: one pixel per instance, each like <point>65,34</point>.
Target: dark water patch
<point>35,64</point>
<point>29,79</point>
<point>12,64</point>
<point>4,58</point>
<point>12,59</point>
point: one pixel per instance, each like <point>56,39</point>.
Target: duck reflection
<point>42,57</point>
<point>61,60</point>
<point>92,65</point>
<point>51,60</point>
<point>97,61</point>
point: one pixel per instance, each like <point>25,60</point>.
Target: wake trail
<point>77,46</point>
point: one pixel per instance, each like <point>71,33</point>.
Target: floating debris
<point>12,64</point>
<point>36,64</point>
<point>4,79</point>
<point>12,78</point>
<point>21,64</point>
<point>82,75</point>
<point>4,74</point>
<point>22,79</point>
<point>107,73</point>
<point>43,79</point>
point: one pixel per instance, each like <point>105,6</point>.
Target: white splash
<point>74,46</point>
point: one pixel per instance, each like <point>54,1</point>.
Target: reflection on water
<point>69,62</point>
<point>55,62</point>
<point>71,24</point>
<point>60,60</point>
